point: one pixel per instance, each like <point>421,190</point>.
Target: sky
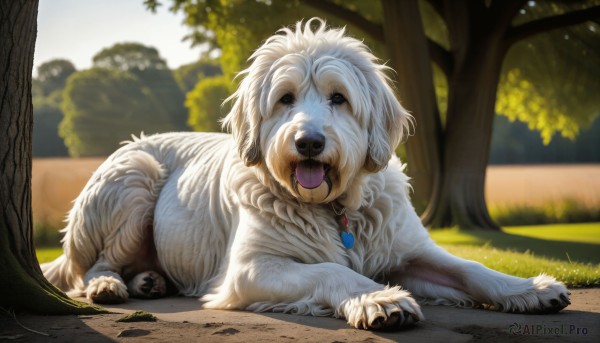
<point>78,29</point>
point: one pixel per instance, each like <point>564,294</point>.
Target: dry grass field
<point>542,184</point>
<point>57,182</point>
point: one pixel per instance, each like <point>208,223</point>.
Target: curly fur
<point>221,218</point>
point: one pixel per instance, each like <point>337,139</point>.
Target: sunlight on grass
<point>47,254</point>
<point>573,274</point>
<point>584,233</point>
<point>568,242</point>
<point>569,252</point>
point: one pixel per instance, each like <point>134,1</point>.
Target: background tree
<point>47,116</point>
<point>53,75</point>
<point>187,76</point>
<point>23,286</point>
<point>47,95</point>
<point>206,89</point>
<point>514,143</point>
<point>104,107</point>
<point>448,154</point>
<point>553,92</point>
<point>145,63</point>
<point>204,103</point>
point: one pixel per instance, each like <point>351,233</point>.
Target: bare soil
<point>181,319</point>
<point>57,182</point>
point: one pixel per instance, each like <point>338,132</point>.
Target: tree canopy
<point>205,103</point>
<point>543,83</point>
<point>145,63</point>
<point>47,116</point>
<point>104,107</point>
<point>553,91</point>
<point>468,41</point>
<point>187,76</point>
<point>47,90</point>
<point>129,90</point>
<point>130,57</point>
<point>52,75</point>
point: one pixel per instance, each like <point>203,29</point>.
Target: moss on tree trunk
<point>23,287</point>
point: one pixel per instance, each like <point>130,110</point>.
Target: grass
<point>573,274</point>
<point>47,254</point>
<point>543,194</point>
<point>569,252</point>
<point>563,211</point>
<point>566,242</point>
<point>518,195</point>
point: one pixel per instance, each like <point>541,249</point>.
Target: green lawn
<point>569,252</point>
<point>567,242</point>
<point>46,254</point>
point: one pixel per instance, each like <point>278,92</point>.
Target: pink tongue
<point>310,174</point>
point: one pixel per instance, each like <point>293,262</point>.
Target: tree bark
<point>23,286</point>
<point>461,200</point>
<point>478,51</point>
<point>409,56</point>
<point>448,164</point>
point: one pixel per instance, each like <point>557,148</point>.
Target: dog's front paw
<point>546,295</point>
<point>106,290</point>
<point>147,285</point>
<point>388,309</point>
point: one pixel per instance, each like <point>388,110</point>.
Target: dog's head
<point>316,110</point>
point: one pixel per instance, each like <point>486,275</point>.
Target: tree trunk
<point>448,164</point>
<point>23,286</point>
<point>478,52</point>
<point>471,105</point>
<point>409,57</point>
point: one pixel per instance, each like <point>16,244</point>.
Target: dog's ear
<point>243,121</point>
<point>389,122</point>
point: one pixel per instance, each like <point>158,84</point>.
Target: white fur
<point>229,226</point>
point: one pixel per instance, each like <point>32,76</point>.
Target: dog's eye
<point>287,99</point>
<point>337,99</point>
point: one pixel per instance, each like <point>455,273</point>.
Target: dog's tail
<point>60,273</point>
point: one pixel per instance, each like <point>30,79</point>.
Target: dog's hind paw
<point>385,310</point>
<point>546,295</point>
<point>106,290</point>
<point>147,285</point>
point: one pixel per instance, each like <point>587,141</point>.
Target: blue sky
<point>77,29</point>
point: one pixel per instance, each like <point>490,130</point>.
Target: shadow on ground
<point>556,249</point>
<point>182,319</point>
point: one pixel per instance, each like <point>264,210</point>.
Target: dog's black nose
<point>311,144</point>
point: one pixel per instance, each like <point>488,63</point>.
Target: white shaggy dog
<point>294,212</point>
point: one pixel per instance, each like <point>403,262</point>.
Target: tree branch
<point>531,28</point>
<point>503,12</point>
<point>372,29</point>
<point>437,6</point>
<point>440,56</point>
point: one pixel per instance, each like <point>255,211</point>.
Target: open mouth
<point>310,174</point>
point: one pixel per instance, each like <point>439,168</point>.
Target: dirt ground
<point>181,319</point>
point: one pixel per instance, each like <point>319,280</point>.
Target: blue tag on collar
<point>347,239</point>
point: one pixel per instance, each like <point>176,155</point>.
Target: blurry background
<point>107,69</point>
